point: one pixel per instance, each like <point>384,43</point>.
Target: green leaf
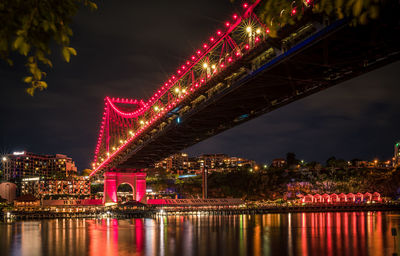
<point>66,54</point>
<point>24,49</point>
<point>72,51</point>
<point>42,85</point>
<point>92,6</point>
<point>28,79</point>
<point>17,43</point>
<point>30,91</point>
<point>357,7</point>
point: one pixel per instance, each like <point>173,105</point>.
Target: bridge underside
<point>255,86</point>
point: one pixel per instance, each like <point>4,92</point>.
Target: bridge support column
<point>137,180</point>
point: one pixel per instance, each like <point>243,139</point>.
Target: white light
<point>19,153</point>
<point>258,31</point>
<point>156,108</point>
<point>176,89</point>
<point>184,90</point>
<point>248,29</point>
<point>4,159</point>
<point>213,66</point>
<point>205,65</point>
<point>31,179</point>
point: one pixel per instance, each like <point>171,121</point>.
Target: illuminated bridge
<point>239,73</point>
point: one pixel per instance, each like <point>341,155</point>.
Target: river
<point>345,233</point>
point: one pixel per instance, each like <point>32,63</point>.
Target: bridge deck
<point>266,80</point>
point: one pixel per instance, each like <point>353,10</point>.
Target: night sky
<point>128,48</point>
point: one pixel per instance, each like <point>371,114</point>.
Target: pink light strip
<point>164,89</point>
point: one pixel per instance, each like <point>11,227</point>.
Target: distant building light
<point>149,190</point>
<point>31,179</point>
<point>19,153</point>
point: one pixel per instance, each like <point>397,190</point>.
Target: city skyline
<point>356,119</point>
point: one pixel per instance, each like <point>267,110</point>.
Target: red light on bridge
<point>198,52</point>
<point>183,67</point>
<point>235,16</point>
<point>245,5</point>
<point>227,24</point>
<point>294,11</point>
<point>267,31</point>
<point>179,71</point>
<point>229,59</point>
<point>188,63</point>
<point>212,39</point>
<point>246,47</point>
<point>219,32</point>
<point>205,46</point>
<point>193,57</point>
<point>222,65</point>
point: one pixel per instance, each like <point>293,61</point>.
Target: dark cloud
<point>128,48</point>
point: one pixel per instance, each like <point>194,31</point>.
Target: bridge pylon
<point>114,178</point>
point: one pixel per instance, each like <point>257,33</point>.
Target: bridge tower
<point>112,179</point>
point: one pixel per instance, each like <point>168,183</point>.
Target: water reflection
<point>353,233</point>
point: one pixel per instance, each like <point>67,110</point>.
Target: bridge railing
<point>123,122</point>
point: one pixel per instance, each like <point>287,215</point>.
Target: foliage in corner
<point>278,13</point>
<point>28,27</point>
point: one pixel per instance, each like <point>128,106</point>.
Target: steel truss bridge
<point>238,74</point>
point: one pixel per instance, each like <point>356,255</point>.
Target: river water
<point>347,233</point>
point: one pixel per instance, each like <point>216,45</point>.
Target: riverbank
<point>107,212</point>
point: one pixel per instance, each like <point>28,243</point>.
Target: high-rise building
<point>73,186</point>
<point>21,165</point>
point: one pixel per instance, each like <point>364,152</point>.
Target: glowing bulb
<point>176,89</point>
<point>184,90</point>
<point>258,31</point>
<point>248,29</point>
<point>121,141</point>
<point>141,122</point>
<point>205,65</point>
<point>213,66</point>
<point>113,148</point>
<point>156,108</point>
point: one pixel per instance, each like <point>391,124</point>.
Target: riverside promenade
<point>148,212</point>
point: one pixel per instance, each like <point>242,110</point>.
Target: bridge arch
<point>112,180</point>
<point>127,193</point>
